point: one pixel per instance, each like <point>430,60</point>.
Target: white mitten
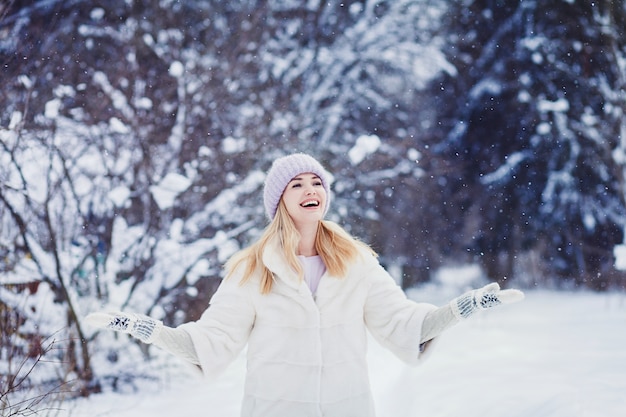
<point>140,326</point>
<point>486,297</point>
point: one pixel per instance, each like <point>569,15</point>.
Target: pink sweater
<point>314,268</point>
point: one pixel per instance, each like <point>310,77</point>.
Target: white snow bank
<point>552,355</point>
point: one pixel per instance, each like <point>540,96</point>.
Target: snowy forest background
<point>134,137</point>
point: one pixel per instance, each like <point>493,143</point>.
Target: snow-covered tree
<point>134,136</point>
<point>535,117</point>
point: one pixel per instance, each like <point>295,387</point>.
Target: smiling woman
<point>302,298</point>
<point>290,169</point>
<point>305,200</point>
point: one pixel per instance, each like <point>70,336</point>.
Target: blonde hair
<point>337,248</point>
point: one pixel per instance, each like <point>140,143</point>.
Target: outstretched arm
<point>436,322</point>
<point>441,319</point>
<point>173,340</point>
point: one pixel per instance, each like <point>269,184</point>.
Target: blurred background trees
<point>135,134</point>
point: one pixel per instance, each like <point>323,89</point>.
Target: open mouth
<point>310,203</point>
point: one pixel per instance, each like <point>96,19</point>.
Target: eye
<point>317,183</point>
<point>296,185</point>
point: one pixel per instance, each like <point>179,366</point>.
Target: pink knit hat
<point>283,170</point>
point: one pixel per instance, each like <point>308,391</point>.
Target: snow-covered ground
<point>556,354</point>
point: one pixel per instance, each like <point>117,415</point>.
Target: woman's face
<point>305,198</point>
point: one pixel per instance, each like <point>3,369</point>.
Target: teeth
<point>310,204</point>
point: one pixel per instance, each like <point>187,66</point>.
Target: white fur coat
<point>307,355</point>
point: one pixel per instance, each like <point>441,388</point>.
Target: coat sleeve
<point>224,328</point>
<point>393,319</point>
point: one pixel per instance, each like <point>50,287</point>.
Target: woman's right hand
<point>139,326</point>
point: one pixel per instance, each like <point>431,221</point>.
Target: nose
<point>310,190</point>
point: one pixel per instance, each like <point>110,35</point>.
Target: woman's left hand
<point>481,299</point>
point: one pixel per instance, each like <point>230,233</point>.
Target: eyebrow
<point>299,178</point>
